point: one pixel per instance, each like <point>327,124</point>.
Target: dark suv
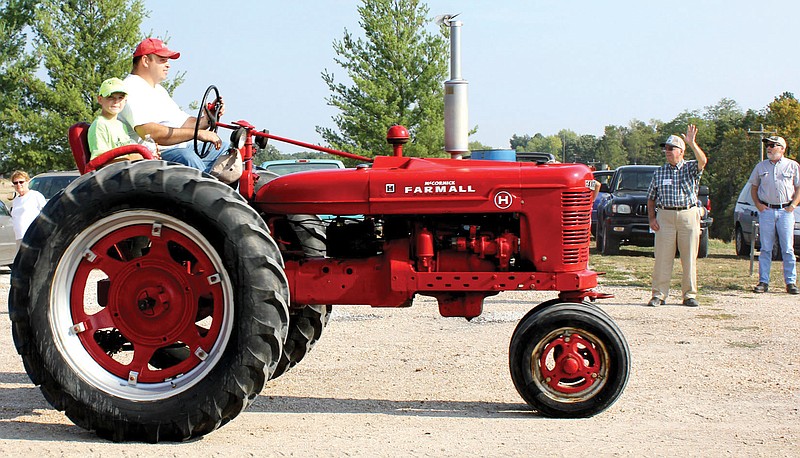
<point>622,215</point>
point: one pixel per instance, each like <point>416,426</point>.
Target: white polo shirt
<point>151,104</point>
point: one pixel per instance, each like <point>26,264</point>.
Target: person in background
<point>151,111</point>
<point>675,216</point>
<point>26,206</point>
<point>107,132</point>
<point>776,193</point>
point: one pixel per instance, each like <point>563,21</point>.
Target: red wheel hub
<point>164,295</point>
<point>570,364</point>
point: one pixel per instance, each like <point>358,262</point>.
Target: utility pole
<point>761,133</point>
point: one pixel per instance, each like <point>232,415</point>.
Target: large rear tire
<point>149,302</point>
<point>569,360</point>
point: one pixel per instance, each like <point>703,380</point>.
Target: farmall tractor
<point>150,301</point>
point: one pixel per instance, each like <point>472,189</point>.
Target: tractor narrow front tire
<point>569,360</point>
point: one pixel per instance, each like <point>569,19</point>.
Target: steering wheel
<point>209,108</point>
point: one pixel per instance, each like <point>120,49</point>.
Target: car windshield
<point>635,180</point>
<point>285,169</point>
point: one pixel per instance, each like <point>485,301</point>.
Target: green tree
<point>641,142</point>
<point>478,146</point>
<point>78,43</point>
<point>783,116</point>
<point>725,116</point>
<point>727,171</point>
<point>16,68</point>
<point>397,73</point>
<point>270,153</point>
<point>610,148</point>
<point>586,150</point>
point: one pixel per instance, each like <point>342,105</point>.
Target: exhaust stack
<point>456,111</point>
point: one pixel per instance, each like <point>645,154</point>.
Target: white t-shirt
<point>25,209</point>
<point>151,104</point>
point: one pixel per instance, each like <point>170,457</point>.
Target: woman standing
<point>26,206</point>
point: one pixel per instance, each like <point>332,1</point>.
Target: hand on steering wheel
<point>210,112</point>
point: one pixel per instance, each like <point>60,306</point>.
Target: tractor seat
<point>79,144</point>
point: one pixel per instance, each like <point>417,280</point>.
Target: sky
<point>533,66</point>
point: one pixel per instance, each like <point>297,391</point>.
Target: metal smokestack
<point>456,111</point>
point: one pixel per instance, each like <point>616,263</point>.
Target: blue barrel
<point>495,155</point>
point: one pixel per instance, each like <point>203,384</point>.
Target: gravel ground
<point>719,380</point>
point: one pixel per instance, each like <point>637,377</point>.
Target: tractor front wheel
<point>569,360</point>
<point>149,302</point>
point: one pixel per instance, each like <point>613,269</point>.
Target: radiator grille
<point>575,221</point>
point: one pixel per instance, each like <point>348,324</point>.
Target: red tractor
<point>152,302</point>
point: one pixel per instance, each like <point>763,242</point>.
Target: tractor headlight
<point>622,209</point>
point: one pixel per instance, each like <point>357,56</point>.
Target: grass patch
<point>722,270</point>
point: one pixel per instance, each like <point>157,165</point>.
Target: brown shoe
<point>792,289</point>
<point>761,287</point>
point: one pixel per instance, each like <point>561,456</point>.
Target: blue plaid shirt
<point>675,185</point>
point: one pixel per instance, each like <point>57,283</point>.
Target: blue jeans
<point>770,221</point>
<point>187,156</point>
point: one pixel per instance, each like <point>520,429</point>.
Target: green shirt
<point>106,134</point>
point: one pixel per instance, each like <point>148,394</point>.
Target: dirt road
<point>720,380</point>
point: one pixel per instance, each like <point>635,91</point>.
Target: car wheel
<point>742,247</point>
<point>609,244</point>
<point>702,250</point>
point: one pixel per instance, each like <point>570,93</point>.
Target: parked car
<point>622,214</point>
<point>287,166</point>
<point>604,177</point>
<point>744,214</point>
<point>50,183</point>
<point>8,242</point>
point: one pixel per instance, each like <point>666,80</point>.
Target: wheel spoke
<point>101,320</point>
<point>142,354</point>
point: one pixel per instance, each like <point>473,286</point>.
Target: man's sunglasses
<point>18,182</point>
<point>771,145</point>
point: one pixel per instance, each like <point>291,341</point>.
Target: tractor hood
<point>406,185</point>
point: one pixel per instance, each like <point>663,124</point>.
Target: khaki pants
<point>679,228</point>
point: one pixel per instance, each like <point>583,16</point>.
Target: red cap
<point>155,46</point>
